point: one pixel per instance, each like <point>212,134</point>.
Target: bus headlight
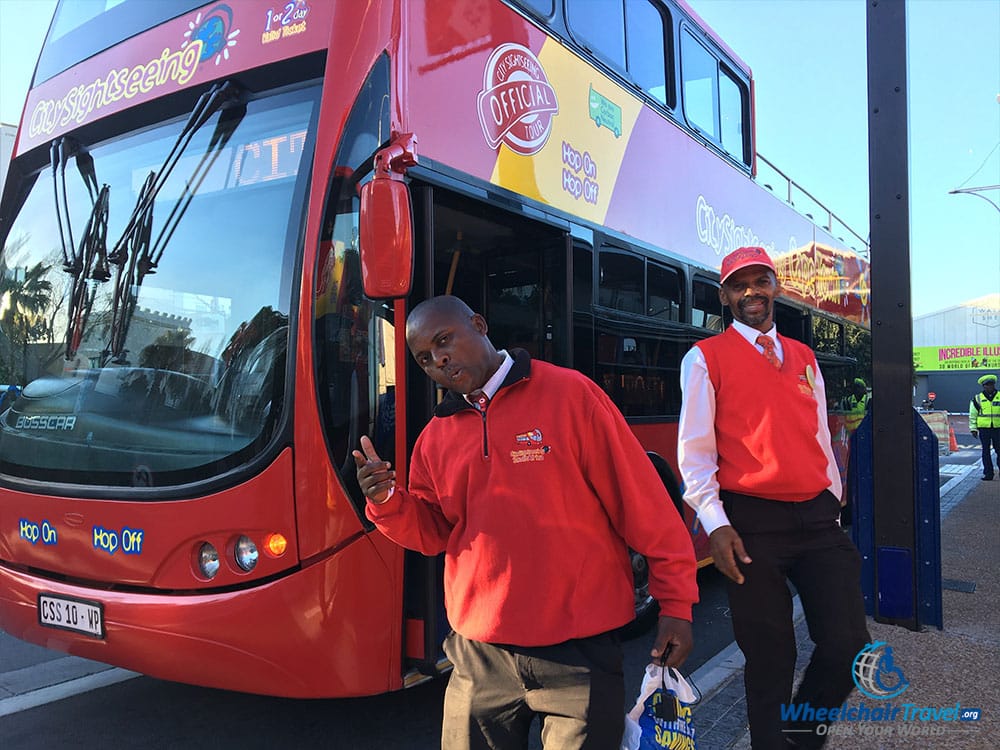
<point>208,560</point>
<point>246,553</point>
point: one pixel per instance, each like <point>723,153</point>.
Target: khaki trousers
<point>576,688</point>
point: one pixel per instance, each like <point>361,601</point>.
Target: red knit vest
<point>765,419</point>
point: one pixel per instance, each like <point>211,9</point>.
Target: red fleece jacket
<point>534,505</point>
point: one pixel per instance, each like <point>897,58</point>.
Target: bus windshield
<point>146,287</point>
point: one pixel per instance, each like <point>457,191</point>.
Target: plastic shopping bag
<point>661,717</point>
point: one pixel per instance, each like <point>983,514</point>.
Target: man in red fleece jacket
<point>530,481</point>
<point>758,468</point>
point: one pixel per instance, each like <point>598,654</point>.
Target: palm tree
<point>23,302</point>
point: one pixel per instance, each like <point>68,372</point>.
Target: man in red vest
<point>756,459</point>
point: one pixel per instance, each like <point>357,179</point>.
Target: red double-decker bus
<point>215,222</point>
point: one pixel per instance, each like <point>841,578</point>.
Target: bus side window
<point>632,36</point>
<point>715,101</point>
<point>700,91</point>
<point>621,281</point>
<point>792,322</point>
<point>648,38</point>
<point>663,290</point>
<point>600,26</point>
<point>706,307</point>
<point>641,374</point>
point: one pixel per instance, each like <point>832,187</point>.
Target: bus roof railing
<point>833,223</point>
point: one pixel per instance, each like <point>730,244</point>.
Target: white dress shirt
<point>697,452</point>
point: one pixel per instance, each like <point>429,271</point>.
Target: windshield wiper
<point>132,266</point>
<point>89,259</point>
<point>134,255</point>
<point>93,253</point>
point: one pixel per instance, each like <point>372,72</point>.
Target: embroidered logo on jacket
<point>531,437</point>
<point>534,451</point>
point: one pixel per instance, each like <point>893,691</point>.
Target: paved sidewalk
<point>959,664</point>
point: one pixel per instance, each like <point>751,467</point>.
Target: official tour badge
<point>517,102</point>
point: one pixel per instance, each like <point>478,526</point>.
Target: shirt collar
<point>493,384</point>
<point>751,334</point>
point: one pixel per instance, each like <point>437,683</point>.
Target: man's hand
<point>374,474</point>
<point>975,433</point>
<point>726,548</point>
<point>673,638</point>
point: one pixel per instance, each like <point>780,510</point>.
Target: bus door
<point>509,267</point>
<point>514,271</point>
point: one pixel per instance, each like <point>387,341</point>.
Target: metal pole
<point>893,462</point>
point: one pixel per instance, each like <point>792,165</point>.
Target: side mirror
<point>386,223</point>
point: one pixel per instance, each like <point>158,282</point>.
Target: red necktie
<point>769,354</point>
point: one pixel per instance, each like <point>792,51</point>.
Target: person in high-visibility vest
<point>856,404</point>
<point>984,421</point>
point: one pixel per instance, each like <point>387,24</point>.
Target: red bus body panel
<point>325,631</point>
<point>329,628</point>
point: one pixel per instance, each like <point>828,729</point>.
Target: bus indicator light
<point>275,544</point>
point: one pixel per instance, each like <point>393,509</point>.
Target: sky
<point>809,63</point>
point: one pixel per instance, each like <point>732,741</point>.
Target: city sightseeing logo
<point>875,673</point>
<point>209,34</point>
<point>517,103</point>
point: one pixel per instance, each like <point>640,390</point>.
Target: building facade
<point>953,348</point>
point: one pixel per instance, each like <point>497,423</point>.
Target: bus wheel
<point>646,607</point>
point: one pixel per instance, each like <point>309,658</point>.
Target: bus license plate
<point>78,615</point>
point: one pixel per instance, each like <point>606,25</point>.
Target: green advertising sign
<point>967,357</point>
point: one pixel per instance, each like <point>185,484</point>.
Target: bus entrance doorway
<point>510,268</point>
<point>514,271</point>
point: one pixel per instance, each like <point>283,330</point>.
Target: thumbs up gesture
<point>375,476</point>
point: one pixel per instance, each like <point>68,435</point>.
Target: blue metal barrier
<point>896,581</point>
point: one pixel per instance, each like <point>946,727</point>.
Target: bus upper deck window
<point>732,106</point>
<point>600,26</point>
<point>544,8</point>
<point>647,38</point>
<point>700,74</point>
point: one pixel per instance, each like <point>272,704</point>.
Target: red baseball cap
<point>742,257</point>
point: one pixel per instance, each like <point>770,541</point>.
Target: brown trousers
<point>576,688</point>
